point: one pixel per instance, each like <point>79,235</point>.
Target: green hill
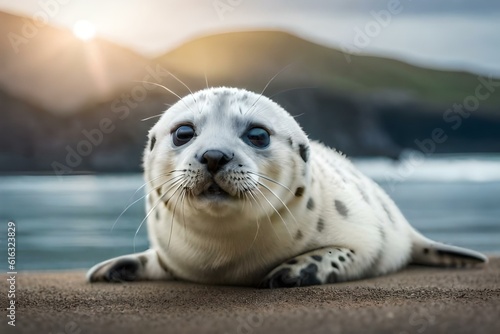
<point>250,58</point>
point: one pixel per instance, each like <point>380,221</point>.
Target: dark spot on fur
<point>162,264</point>
<point>459,255</point>
<point>124,270</point>
<point>363,193</point>
<point>352,251</point>
<point>340,173</point>
<point>335,265</point>
<point>292,261</point>
<point>341,208</point>
<point>299,235</point>
<point>310,204</point>
<point>143,259</point>
<point>152,144</point>
<point>389,215</point>
<point>332,277</point>
<point>158,191</point>
<point>304,152</point>
<point>382,233</point>
<point>321,225</point>
<point>290,141</point>
<point>299,192</point>
<point>281,279</point>
<point>308,275</point>
<point>157,214</point>
<point>317,258</point>
<point>341,258</point>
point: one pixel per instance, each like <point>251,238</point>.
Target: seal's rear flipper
<point>432,253</point>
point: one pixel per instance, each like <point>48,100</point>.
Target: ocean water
<point>67,223</point>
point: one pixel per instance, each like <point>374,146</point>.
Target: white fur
<point>239,242</point>
<point>227,248</point>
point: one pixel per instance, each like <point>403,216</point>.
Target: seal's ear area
<point>304,151</point>
<point>128,268</point>
<point>152,142</point>
<point>428,252</point>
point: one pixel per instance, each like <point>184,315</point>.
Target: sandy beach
<point>415,300</point>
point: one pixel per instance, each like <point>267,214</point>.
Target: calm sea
<point>67,223</point>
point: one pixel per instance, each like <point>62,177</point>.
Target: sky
<point>451,34</point>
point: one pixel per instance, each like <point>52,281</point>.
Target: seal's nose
<point>214,159</point>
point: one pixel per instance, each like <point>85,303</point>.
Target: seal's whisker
<point>168,90</point>
<point>183,201</point>
<point>151,117</point>
<point>206,79</point>
<point>242,195</point>
<point>292,89</point>
<point>283,203</point>
<point>155,116</point>
<point>154,179</point>
<point>182,83</point>
<point>256,221</point>
<point>140,198</point>
<point>175,181</point>
<point>275,210</point>
<point>203,106</point>
<point>271,180</point>
<point>178,181</point>
<point>267,85</point>
<point>253,195</point>
<point>181,188</point>
<point>142,222</point>
<point>154,208</point>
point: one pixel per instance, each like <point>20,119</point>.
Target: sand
<point>415,300</point>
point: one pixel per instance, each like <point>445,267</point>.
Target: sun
<point>84,30</point>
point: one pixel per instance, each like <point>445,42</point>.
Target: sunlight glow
<point>84,30</point>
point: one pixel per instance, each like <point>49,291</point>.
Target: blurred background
<point>410,90</point>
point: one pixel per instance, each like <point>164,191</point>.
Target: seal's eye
<point>182,135</point>
<point>257,137</point>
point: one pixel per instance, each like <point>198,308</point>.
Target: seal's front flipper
<point>133,267</point>
<point>432,253</point>
<point>321,266</point>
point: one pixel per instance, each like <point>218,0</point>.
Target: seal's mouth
<point>214,191</point>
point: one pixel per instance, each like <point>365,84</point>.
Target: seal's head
<point>225,152</point>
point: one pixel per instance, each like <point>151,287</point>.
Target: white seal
<point>238,195</point>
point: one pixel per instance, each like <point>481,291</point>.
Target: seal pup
<point>238,195</point>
